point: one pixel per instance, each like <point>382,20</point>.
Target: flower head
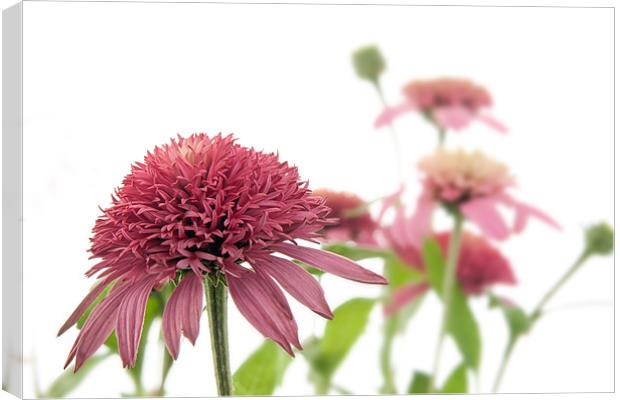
<point>354,221</point>
<point>451,103</point>
<point>203,206</point>
<point>476,186</point>
<point>479,266</point>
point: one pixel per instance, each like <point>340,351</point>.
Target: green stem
<point>217,295</point>
<point>554,289</point>
<point>441,138</point>
<point>167,364</point>
<point>389,386</point>
<point>446,291</point>
<point>536,314</point>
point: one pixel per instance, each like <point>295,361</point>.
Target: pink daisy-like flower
<point>476,186</point>
<point>479,265</point>
<point>354,221</point>
<point>202,206</point>
<point>449,102</point>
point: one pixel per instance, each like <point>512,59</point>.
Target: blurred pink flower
<point>475,185</point>
<point>354,221</point>
<point>450,102</point>
<point>479,266</point>
<point>200,206</point>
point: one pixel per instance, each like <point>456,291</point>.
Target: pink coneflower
<point>354,221</point>
<point>451,103</point>
<point>204,208</point>
<point>479,266</point>
<point>476,186</point>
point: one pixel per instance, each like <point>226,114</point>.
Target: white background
<point>103,83</point>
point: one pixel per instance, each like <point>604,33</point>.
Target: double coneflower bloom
<point>202,207</point>
<point>451,103</point>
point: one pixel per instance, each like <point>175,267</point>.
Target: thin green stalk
<point>446,291</point>
<point>441,138</point>
<point>536,314</point>
<point>217,295</point>
<point>389,386</point>
<point>165,370</point>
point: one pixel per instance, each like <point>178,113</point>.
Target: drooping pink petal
<point>329,262</point>
<point>420,225</point>
<point>524,211</point>
<point>296,281</point>
<point>182,313</point>
<point>263,304</point>
<point>483,212</point>
<point>403,296</point>
<point>492,122</point>
<point>389,114</point>
<point>453,117</point>
<point>131,319</point>
<point>390,201</point>
<point>86,302</point>
<point>98,326</point>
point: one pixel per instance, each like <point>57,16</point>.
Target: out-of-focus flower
<point>479,265</point>
<point>354,221</point>
<point>600,239</point>
<point>368,63</point>
<point>475,185</point>
<point>449,102</point>
<point>200,207</point>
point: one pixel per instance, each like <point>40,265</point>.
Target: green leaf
<point>516,318</point>
<point>462,324</point>
<point>341,333</point>
<point>262,372</point>
<point>398,273</point>
<point>420,383</point>
<point>69,380</point>
<point>356,253</point>
<point>457,381</point>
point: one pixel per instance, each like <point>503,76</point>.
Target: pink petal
<point>263,304</point>
<point>131,319</point>
<point>98,326</point>
<point>182,313</point>
<point>403,296</point>
<point>86,302</point>
<point>329,262</point>
<point>390,201</point>
<point>524,211</point>
<point>492,122</point>
<point>295,280</point>
<point>389,114</point>
<point>453,117</point>
<point>483,212</point>
<point>420,225</point>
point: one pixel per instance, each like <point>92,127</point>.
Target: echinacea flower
<point>451,103</point>
<point>354,221</point>
<point>476,186</point>
<point>197,207</point>
<point>479,266</point>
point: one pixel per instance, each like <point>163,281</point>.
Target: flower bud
<point>600,239</point>
<point>368,63</point>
